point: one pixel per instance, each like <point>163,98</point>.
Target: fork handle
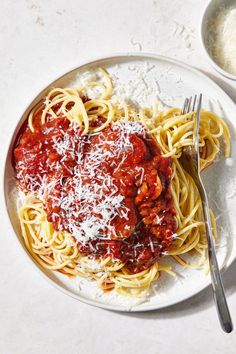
<point>217,284</point>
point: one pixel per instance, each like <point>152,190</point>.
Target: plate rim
<point>39,269</point>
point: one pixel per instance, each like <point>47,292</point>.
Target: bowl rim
<point>218,68</point>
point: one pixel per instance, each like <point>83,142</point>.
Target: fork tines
<point>187,104</point>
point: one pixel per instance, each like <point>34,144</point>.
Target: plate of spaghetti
<point>95,191</point>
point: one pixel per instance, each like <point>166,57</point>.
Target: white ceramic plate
<point>144,78</point>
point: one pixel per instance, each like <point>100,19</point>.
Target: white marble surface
<point>39,40</point>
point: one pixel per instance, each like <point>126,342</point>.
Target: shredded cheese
<point>221,41</point>
<point>89,200</point>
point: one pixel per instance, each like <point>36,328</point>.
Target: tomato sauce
<point>121,173</point>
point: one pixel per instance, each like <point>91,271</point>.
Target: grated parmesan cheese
<point>85,210</point>
<point>221,41</point>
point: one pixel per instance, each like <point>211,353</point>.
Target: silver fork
<point>190,161</point>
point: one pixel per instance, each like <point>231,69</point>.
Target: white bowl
<point>208,14</point>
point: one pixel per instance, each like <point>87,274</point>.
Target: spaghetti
<point>104,193</point>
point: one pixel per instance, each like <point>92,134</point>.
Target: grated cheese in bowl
<point>220,38</point>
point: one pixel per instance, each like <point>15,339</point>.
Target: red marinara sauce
<point>110,190</point>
